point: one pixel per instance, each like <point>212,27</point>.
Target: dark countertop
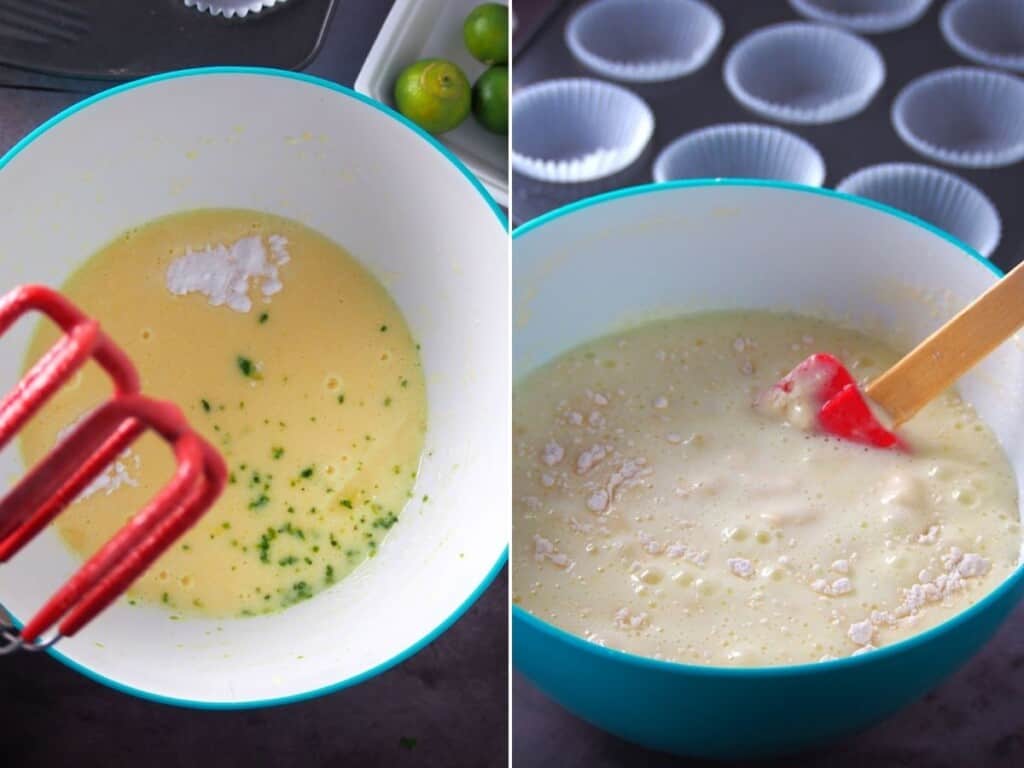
<point>451,697</point>
<point>977,717</point>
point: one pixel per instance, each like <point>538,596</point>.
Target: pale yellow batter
<point>657,511</point>
<point>315,397</point>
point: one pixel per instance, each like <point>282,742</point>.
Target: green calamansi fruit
<point>490,99</point>
<point>433,93</point>
<point>485,33</point>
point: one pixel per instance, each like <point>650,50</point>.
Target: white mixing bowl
<point>401,204</point>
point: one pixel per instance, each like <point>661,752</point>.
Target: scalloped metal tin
<point>233,9</point>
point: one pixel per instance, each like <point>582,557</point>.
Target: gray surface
<point>977,717</point>
<point>451,697</point>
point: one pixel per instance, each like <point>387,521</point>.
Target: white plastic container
<point>419,29</point>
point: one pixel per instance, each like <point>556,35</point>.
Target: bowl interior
<point>658,251</point>
<point>305,149</point>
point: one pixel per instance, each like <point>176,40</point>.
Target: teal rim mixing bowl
<point>610,261</point>
<point>411,213</point>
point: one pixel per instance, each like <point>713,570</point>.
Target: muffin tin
<point>702,100</point>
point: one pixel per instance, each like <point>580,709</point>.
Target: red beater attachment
<point>54,483</point>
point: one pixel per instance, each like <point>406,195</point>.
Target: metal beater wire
<point>10,640</point>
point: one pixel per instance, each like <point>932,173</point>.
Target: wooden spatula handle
<point>952,350</point>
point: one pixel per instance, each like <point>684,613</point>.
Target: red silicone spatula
<point>919,377</point>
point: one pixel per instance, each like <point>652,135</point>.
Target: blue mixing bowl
<point>591,268</point>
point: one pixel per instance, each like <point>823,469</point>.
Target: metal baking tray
<point>701,99</point>
<point>82,45</point>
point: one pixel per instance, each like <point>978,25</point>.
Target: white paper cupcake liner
<point>936,196</point>
<point>231,9</point>
<point>644,40</point>
<point>799,72</point>
<point>865,16</point>
<point>989,32</point>
<point>741,150</point>
<point>575,130</point>
<point>964,116</point>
